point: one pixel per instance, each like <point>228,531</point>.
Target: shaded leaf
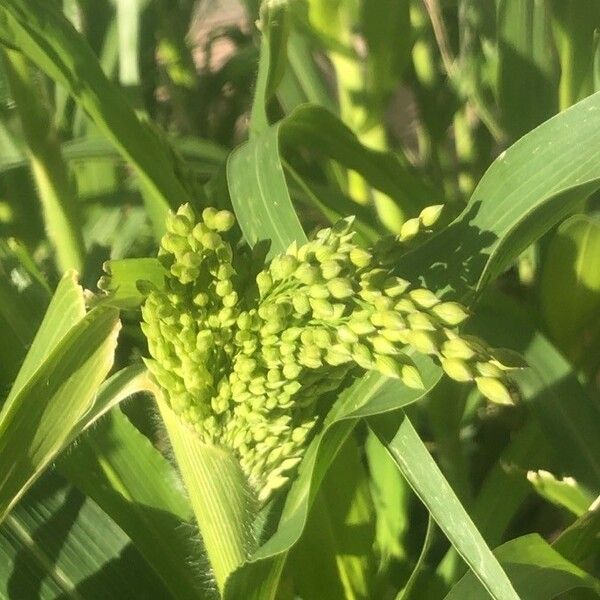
<point>528,188</point>
<point>426,479</point>
<point>537,571</point>
<point>57,544</point>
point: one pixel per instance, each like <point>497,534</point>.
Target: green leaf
<point>426,479</point>
<point>54,390</point>
<point>565,492</point>
<point>122,277</point>
<point>537,571</point>
<point>527,69</point>
<point>57,544</point>
<point>47,38</point>
<point>574,24</point>
<point>256,179</point>
<point>570,285</point>
<point>528,188</point>
<point>116,466</point>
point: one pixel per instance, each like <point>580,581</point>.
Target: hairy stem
<point>219,494</point>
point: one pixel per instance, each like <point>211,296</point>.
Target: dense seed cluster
<point>244,351</point>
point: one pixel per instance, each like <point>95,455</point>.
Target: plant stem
<point>223,504</point>
<point>47,165</point>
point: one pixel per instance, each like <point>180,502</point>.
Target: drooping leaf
<point>526,190</point>
<point>256,178</point>
<point>537,571</point>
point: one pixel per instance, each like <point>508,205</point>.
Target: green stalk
<point>47,165</point>
<point>219,494</point>
<point>465,151</point>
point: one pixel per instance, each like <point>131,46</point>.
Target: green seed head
<point>246,370</point>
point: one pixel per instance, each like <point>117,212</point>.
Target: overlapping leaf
<point>54,393</point>
<point>46,37</point>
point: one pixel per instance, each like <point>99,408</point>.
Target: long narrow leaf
<point>538,572</point>
<point>43,34</point>
<point>528,188</point>
<point>428,482</point>
<point>52,397</point>
<point>57,544</point>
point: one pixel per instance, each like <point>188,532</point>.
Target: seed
<point>409,229</point>
<point>422,341</point>
<point>317,291</point>
<point>340,288</point>
<point>451,313</point>
<point>457,369</point>
<point>307,274</point>
<point>381,345</point>
<point>430,214</point>
<point>359,257</point>
<point>264,283</point>
<point>330,269</point>
<point>488,369</point>
<point>494,390</point>
<point>421,321</point>
<point>388,366</point>
<point>223,221</point>
<point>411,377</point>
<point>457,348</point>
<point>423,297</point>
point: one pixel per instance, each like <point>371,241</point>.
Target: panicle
<point>244,351</point>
